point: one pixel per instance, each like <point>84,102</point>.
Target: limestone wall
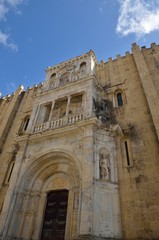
<point>139,193</point>
<point>13,111</point>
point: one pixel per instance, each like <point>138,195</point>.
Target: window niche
<point>44,113</point>
<point>119,98</point>
<point>76,104</point>
<point>59,109</point>
<point>64,79</point>
<point>53,80</point>
<point>24,125</point>
<point>83,67</point>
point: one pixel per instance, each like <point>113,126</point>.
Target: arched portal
<point>52,172</point>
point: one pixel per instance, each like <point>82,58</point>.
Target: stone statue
<point>104,166</point>
<point>101,110</point>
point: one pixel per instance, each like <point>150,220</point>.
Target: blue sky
<point>35,34</point>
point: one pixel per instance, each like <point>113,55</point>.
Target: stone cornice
<point>72,83</point>
<point>73,60</point>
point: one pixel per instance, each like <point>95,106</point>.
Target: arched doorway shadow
<point>51,172</point>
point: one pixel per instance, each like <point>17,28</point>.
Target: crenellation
<point>154,46</point>
<point>134,45</point>
<point>118,56</point>
<point>128,54</point>
<point>110,59</point>
<point>102,62</point>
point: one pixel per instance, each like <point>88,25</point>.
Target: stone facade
<point>91,130</point>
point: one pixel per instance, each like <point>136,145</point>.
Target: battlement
<point>69,65</point>
<point>154,47</point>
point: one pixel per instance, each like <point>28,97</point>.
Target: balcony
<point>62,122</point>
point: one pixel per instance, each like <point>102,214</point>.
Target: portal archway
<point>51,172</point>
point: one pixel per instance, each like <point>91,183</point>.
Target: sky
<point>35,34</point>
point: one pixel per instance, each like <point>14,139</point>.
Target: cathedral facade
<point>79,152</point>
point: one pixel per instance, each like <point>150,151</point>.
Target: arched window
<point>83,67</point>
<point>119,99</point>
<point>53,80</point>
<point>53,76</point>
<point>64,78</point>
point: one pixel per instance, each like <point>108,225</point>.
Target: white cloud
<point>138,16</point>
<point>15,2</point>
<point>5,7</point>
<point>3,10</point>
<point>101,10</point>
<point>4,40</point>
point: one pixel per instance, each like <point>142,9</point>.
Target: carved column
<point>34,117</point>
<point>68,105</point>
<point>52,108</point>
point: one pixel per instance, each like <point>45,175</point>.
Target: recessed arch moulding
<point>51,171</point>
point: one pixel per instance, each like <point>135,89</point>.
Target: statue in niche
<point>104,167</point>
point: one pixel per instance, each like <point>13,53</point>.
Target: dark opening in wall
<point>119,99</point>
<point>24,125</point>
<point>127,153</point>
<point>9,172</point>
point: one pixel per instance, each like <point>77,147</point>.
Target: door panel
<point>55,216</point>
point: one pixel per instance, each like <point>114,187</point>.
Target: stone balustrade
<point>40,127</point>
<point>58,123</point>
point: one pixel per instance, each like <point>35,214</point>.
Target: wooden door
<point>55,216</point>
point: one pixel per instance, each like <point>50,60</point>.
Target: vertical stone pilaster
<point>89,103</point>
<point>11,196</point>
<point>52,109</point>
<point>41,202</point>
<point>9,116</point>
<point>148,85</point>
<point>68,105</point>
<point>86,218</point>
<point>32,120</point>
<point>34,117</point>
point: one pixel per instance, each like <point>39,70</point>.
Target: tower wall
<point>135,76</point>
